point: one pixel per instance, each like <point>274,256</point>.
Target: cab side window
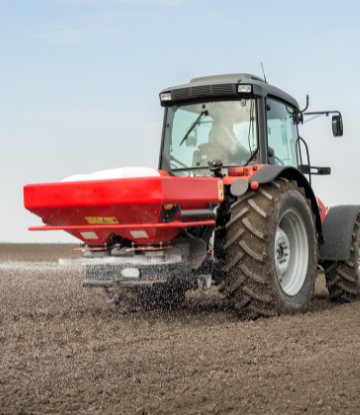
<point>282,133</point>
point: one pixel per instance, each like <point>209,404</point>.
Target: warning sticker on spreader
<point>220,190</point>
<point>101,221</point>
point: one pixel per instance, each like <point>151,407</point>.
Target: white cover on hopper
<point>121,173</point>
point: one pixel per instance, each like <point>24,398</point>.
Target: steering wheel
<point>289,160</point>
<point>279,160</point>
<point>282,161</point>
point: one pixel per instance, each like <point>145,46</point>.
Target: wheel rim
<point>291,252</point>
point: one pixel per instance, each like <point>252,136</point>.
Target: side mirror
<point>306,169</point>
<point>192,138</point>
<point>337,126</point>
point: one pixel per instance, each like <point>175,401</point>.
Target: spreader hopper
<point>145,210</point>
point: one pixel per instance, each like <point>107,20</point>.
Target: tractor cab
<point>238,120</point>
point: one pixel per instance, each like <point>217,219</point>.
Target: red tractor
<point>229,204</point>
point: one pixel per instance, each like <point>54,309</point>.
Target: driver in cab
<point>222,132</point>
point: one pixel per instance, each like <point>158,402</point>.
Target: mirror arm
<point>307,103</point>
<point>322,113</point>
<point>301,117</point>
<point>307,153</point>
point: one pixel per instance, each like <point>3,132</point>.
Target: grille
<point>203,91</point>
<point>224,89</point>
<point>200,91</point>
<point>180,94</point>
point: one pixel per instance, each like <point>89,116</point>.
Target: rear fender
<point>337,230</point>
<point>269,173</point>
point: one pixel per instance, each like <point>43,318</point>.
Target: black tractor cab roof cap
<point>262,88</point>
<point>235,77</point>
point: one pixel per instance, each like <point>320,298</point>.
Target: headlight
<point>165,97</point>
<point>245,89</point>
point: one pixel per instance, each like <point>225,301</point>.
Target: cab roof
<point>226,85</point>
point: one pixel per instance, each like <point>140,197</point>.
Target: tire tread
<point>252,294</point>
<point>342,277</point>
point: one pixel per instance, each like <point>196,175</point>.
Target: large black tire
<point>343,277</point>
<point>252,280</point>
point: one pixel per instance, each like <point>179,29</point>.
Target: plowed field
<point>67,350</point>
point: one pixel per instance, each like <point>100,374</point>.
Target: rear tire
<point>271,251</point>
<point>343,277</point>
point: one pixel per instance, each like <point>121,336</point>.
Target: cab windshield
<point>221,130</point>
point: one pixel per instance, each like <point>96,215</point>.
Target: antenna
<point>263,72</point>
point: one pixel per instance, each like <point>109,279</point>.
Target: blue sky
<point>79,83</point>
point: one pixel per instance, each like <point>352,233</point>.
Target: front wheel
<point>343,277</point>
<point>271,250</point>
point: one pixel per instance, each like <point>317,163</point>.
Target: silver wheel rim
<point>291,252</point>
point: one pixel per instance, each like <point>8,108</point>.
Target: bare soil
<point>67,350</point>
